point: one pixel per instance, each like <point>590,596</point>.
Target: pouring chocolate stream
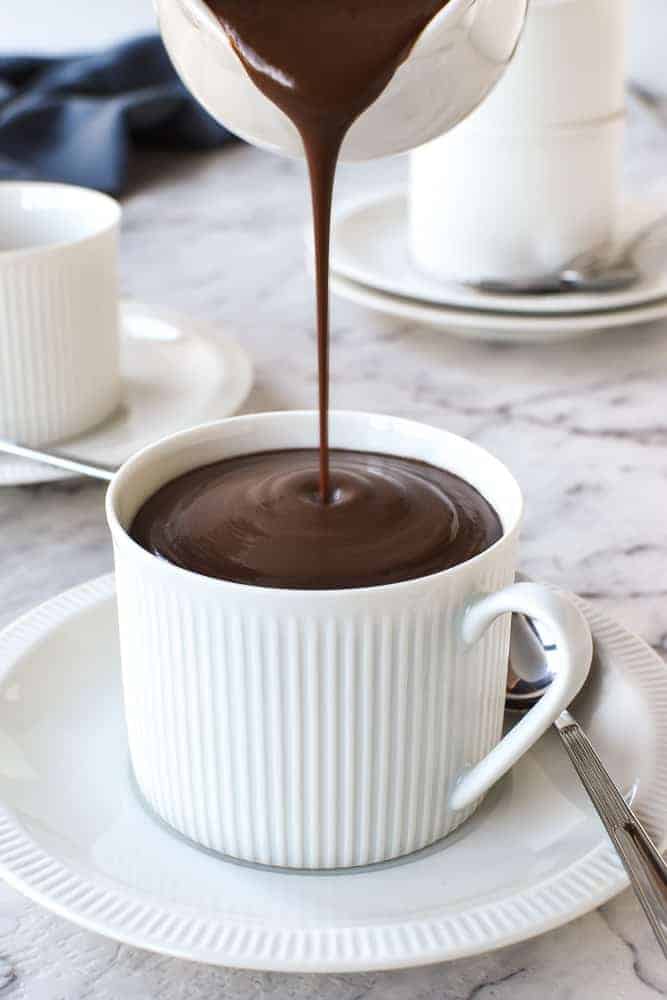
<point>323,63</point>
<point>319,519</point>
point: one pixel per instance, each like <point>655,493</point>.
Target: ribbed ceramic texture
<point>450,932</point>
<point>307,739</point>
<point>59,354</point>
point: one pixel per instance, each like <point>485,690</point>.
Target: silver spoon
<point>607,268</point>
<point>534,662</point>
<point>58,460</point>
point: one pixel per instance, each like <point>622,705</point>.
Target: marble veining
<point>583,425</point>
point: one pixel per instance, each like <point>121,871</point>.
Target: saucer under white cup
<point>371,266</point>
<point>370,246</point>
<point>325,729</point>
<point>496,327</point>
<point>174,372</point>
<point>74,837</point>
<point>59,352</point>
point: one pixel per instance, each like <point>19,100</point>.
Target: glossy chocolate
<point>258,519</point>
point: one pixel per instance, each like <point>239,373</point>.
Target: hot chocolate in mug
<point>326,729</point>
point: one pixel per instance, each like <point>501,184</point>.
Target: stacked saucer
<point>371,265</point>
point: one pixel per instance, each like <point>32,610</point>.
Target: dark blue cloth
<point>77,119</point>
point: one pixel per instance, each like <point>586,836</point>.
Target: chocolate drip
<point>319,519</point>
<point>323,63</point>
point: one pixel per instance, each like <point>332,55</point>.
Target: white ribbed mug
<point>648,31</point>
<point>505,207</point>
<point>532,179</point>
<point>59,346</point>
<point>325,729</point>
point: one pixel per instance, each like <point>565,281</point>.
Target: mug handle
<point>573,637</point>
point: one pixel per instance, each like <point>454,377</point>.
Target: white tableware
<point>74,837</point>
<point>370,246</point>
<point>175,372</point>
<point>495,326</point>
<point>513,205</point>
<point>648,31</point>
<point>569,68</point>
<point>456,61</point>
<point>532,178</point>
<point>324,729</point>
<point>59,367</point>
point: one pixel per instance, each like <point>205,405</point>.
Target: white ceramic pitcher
<point>455,63</point>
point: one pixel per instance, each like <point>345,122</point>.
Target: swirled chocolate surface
<point>259,519</point>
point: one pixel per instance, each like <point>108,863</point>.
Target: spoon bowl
<point>533,663</point>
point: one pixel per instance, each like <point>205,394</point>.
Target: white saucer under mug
<point>175,372</point>
<point>74,837</point>
<point>371,248</point>
<point>472,324</point>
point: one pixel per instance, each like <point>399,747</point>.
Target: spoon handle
<point>642,861</point>
<point>59,461</point>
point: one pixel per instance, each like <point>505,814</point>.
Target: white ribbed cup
<point>323,729</point>
<point>532,179</point>
<point>59,348</point>
<point>511,207</point>
<point>648,31</point>
<point>569,68</point>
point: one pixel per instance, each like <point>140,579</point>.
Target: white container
<point>648,35</point>
<point>513,206</point>
<point>325,729</point>
<point>59,346</point>
<point>569,68</point>
<point>532,178</point>
<point>457,60</point>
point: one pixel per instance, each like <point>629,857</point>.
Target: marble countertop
<point>582,425</point>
